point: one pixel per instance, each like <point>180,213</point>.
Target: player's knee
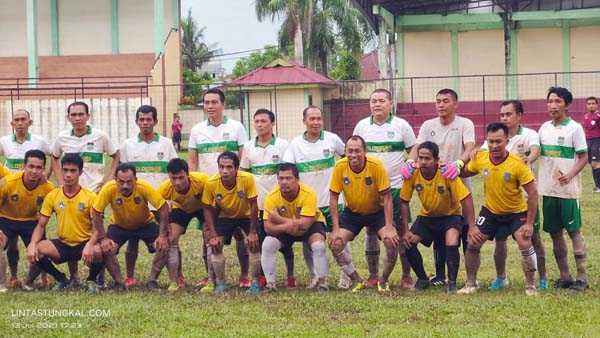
<point>557,235</point>
<point>132,247</point>
<point>318,247</point>
<point>271,245</point>
<point>474,248</point>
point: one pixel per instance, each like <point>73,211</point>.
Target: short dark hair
<point>589,98</point>
<point>431,146</point>
<point>36,153</point>
<point>448,91</point>
<point>310,107</point>
<point>72,158</point>
<point>266,111</point>
<point>230,155</point>
<point>561,92</point>
<point>145,108</point>
<point>78,103</point>
<point>215,91</point>
<point>495,126</point>
<point>25,110</point>
<point>125,167</point>
<point>357,138</point>
<point>382,90</point>
<point>176,165</point>
<point>285,166</point>
<point>515,103</point>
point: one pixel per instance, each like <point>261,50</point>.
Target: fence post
<point>484,110</point>
<point>412,103</point>
<point>82,93</point>
<point>18,91</point>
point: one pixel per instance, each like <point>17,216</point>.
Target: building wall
<point>13,28</point>
<point>84,28</point>
<point>136,27</point>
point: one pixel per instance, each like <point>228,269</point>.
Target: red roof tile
<point>281,72</point>
<point>369,66</point>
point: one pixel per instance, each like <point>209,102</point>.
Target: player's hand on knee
<point>88,254</point>
<point>336,242</point>
<point>475,236</point>
<point>253,244</point>
<point>407,168</point>
<point>526,230</point>
<point>216,244</point>
<point>407,239</point>
<point>389,235</point>
<point>33,254</point>
<point>107,245</point>
<point>161,244</point>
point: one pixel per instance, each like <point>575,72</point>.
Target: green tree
<point>194,84</point>
<point>195,51</point>
<point>255,60</point>
<point>345,67</point>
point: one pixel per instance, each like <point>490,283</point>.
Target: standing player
<point>314,152</point>
<point>21,196</point>
<point>591,124</point>
<point>176,128</point>
<point>443,202</point>
<point>150,153</point>
<point>292,216</point>
<point>208,139</point>
<point>387,138</point>
<point>455,136</point>
<point>564,154</point>
<point>366,188</point>
<point>185,190</point>
<point>525,143</point>
<point>505,211</point>
<point>261,157</point>
<point>14,147</point>
<point>229,202</point>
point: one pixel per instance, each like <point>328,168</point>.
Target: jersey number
<point>480,220</point>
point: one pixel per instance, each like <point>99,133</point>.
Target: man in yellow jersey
<point>185,190</point>
<point>504,211</point>
<point>21,196</point>
<point>366,187</point>
<point>72,204</point>
<point>291,215</point>
<point>229,202</point>
<point>3,243</point>
<point>128,198</point>
<point>443,201</point>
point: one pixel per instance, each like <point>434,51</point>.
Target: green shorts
<point>536,222</point>
<point>327,215</point>
<point>397,214</point>
<point>561,213</point>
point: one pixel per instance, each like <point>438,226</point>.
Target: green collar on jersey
<point>389,120</point>
<point>519,132</point>
<point>563,123</point>
<point>88,132</point>
<point>225,119</point>
<point>156,138</point>
<point>272,142</point>
<point>27,138</point>
<point>321,137</point>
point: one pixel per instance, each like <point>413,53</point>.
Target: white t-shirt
<point>15,151</point>
<point>315,161</point>
<point>91,146</point>
<point>210,141</point>
<point>521,142</point>
<point>262,163</point>
<point>560,145</point>
<point>387,143</point>
<point>150,159</point>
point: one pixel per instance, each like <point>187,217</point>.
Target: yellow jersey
<point>362,190</point>
<point>73,214</point>
<point>439,196</point>
<point>233,202</point>
<point>190,201</point>
<point>19,203</point>
<point>502,182</point>
<point>305,204</point>
<point>4,171</point>
<point>129,212</point>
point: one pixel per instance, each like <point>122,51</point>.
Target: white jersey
<point>521,142</point>
<point>150,158</point>
<point>315,161</point>
<point>15,151</point>
<point>262,163</point>
<point>387,143</point>
<point>91,146</point>
<point>210,141</point>
<point>560,145</point>
<point>450,138</point>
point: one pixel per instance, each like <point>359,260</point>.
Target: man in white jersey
<point>150,153</point>
<point>314,152</point>
<point>387,137</point>
<point>563,156</point>
<point>208,139</point>
<point>14,147</point>
<point>455,136</point>
<point>261,158</point>
<point>524,142</point>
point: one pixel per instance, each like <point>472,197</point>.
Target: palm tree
<point>195,51</point>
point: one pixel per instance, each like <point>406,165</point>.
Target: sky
<point>233,25</point>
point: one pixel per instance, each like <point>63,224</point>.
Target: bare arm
<point>466,155</point>
<point>333,210</point>
<point>388,207</point>
<point>532,201</point>
<point>534,153</point>
<point>36,237</point>
<point>468,210</point>
<point>113,167</point>
<point>193,159</point>
<point>55,165</point>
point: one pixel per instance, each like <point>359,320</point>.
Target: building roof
<point>369,66</point>
<point>281,72</point>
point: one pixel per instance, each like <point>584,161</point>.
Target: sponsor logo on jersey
<point>90,146</point>
<point>226,136</point>
<point>119,201</point>
<point>368,180</point>
<point>507,176</point>
<point>14,197</point>
<point>241,194</point>
<point>486,172</point>
<point>390,135</point>
<point>137,199</point>
<point>419,187</point>
<point>219,197</point>
<point>81,206</point>
<point>275,158</point>
<point>198,196</point>
<point>441,189</point>
<point>160,155</point>
<point>282,210</point>
<point>298,210</point>
<point>561,140</point>
<point>346,180</point>
<point>432,133</point>
<point>40,200</point>
<point>326,152</point>
<point>61,205</point>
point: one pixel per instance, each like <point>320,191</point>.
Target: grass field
<point>305,313</point>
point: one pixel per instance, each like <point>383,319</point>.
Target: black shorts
<point>434,228</point>
<point>225,227</point>
<point>354,222</point>
<point>183,218</point>
<point>23,229</point>
<point>315,228</point>
<point>499,227</point>
<point>148,233</point>
<point>260,231</point>
<point>593,146</point>
<point>68,253</point>
<point>176,137</point>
